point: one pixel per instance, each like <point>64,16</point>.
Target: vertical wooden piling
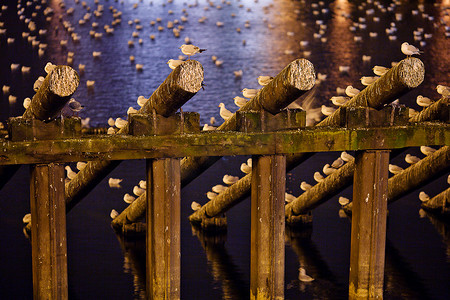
<point>49,250</point>
<point>163,229</point>
<point>267,225</point>
<point>368,236</point>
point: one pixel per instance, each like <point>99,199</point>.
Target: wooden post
<point>163,229</point>
<point>368,225</point>
<point>49,250</point>
<point>267,227</point>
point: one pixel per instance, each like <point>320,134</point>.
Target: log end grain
<point>63,81</point>
<point>411,71</point>
<point>191,76</point>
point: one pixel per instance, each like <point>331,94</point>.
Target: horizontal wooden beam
<point>320,139</point>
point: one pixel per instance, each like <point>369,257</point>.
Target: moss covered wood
<point>438,110</point>
<point>181,85</point>
<point>407,74</point>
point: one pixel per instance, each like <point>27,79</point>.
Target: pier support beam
<point>368,236</point>
<point>163,229</point>
<point>48,241</point>
<point>267,227</point>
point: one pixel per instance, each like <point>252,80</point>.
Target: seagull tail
<point>201,50</point>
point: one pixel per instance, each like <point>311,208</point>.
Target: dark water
<point>100,265</point>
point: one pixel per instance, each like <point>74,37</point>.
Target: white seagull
<point>190,50</point>
<point>224,113</point>
<point>409,50</point>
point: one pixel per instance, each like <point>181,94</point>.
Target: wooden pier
<point>176,151</point>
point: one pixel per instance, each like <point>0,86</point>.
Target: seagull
<point>411,159</point>
<point>409,50</point>
<point>246,168</point>
<point>289,197</point>
<point>212,120</point>
<point>240,101</point>
<point>303,277</point>
<point>111,122</point>
<point>26,102</point>
<point>351,91</point>
<point>343,201</point>
<point>423,196</point>
<point>423,101</point>
<point>228,179</point>
<point>128,198</point>
<point>346,157</point>
<point>49,67</point>
<point>132,110</point>
<point>305,186</point>
<point>74,105</point>
<point>395,169</point>
<point>143,184</point>
<point>339,162</point>
<point>26,219</point>
<point>141,100</point>
<point>219,188</point>
<point>427,150</point>
<point>368,80</point>
<point>249,93</point>
<point>195,206</point>
<point>328,170</point>
<point>111,130</point>
<point>327,111</point>
<point>339,100</point>
<point>344,69</point>
<point>318,177</point>
<point>380,70</point>
<point>207,127</point>
<point>173,63</point>
<point>412,112</point>
<point>224,113</point>
<point>70,174</point>
<point>114,182</point>
<point>443,90</point>
<point>264,80</point>
<point>238,73</point>
<point>211,195</point>
<point>81,165</point>
<point>120,123</point>
<point>190,50</point>
<point>138,191</point>
<point>114,213</point>
<point>250,162</point>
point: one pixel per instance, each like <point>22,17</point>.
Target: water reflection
<point>442,226</point>
<point>222,268</point>
<point>325,284</point>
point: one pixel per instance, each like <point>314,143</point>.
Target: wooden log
<point>438,110</point>
<point>57,88</point>
<point>294,80</point>
<point>48,242</point>
<point>181,85</point>
<point>163,229</point>
<point>407,74</point>
<point>439,203</point>
<point>368,235</point>
<point>267,227</point>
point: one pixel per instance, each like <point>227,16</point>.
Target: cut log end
<point>412,71</point>
<point>63,81</point>
<point>191,76</point>
<point>302,74</point>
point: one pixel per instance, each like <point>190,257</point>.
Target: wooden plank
<point>267,227</point>
<point>368,235</point>
<point>49,248</point>
<point>163,229</point>
<point>222,143</point>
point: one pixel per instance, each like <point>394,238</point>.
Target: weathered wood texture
<point>439,204</point>
<point>368,225</point>
<point>267,227</point>
<point>418,174</point>
<point>56,90</point>
<point>438,110</point>
<point>48,242</point>
<point>407,74</point>
<point>163,229</point>
<point>294,80</point>
<point>58,86</point>
<point>181,85</point>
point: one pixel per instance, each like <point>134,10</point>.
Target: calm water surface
<point>102,265</point>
